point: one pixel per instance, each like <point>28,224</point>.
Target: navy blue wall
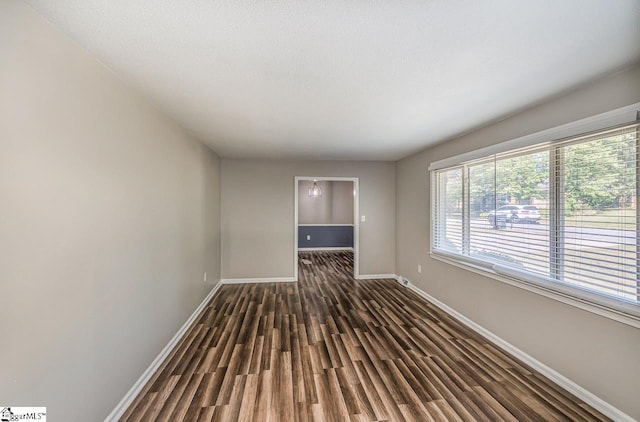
<point>325,236</point>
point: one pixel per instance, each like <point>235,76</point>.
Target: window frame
<point>553,140</point>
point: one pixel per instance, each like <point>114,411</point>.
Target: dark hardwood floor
<point>331,348</point>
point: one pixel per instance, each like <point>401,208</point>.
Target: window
<point>560,215</point>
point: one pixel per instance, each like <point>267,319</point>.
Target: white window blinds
<point>562,215</point>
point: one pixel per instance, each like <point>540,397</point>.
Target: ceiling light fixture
<point>315,190</point>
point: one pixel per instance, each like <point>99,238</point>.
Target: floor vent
<point>403,281</point>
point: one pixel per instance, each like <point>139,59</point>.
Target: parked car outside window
<point>515,214</point>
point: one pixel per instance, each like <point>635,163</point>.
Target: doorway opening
<point>326,216</point>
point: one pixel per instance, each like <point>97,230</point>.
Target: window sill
<point>568,299</point>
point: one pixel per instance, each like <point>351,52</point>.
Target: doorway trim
<point>356,219</point>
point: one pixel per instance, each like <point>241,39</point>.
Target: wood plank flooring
<point>330,348</point>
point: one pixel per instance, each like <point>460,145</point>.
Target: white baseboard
<point>325,249</point>
<point>375,276</point>
<point>126,401</point>
<point>258,280</point>
<point>564,382</point>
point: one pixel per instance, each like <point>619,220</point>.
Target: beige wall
<point>258,214</point>
<point>109,215</point>
<point>335,206</point>
<point>342,203</point>
<point>599,354</point>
